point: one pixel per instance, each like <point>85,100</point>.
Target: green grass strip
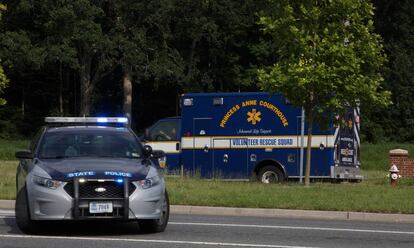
<point>9,147</point>
<point>373,195</point>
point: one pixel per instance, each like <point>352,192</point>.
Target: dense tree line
<point>88,57</point>
<point>3,79</point>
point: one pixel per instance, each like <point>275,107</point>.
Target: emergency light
<point>87,120</point>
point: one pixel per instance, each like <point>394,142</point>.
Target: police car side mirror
<point>23,154</point>
<point>147,151</point>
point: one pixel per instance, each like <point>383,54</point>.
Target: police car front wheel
<point>158,225</point>
<point>23,220</point>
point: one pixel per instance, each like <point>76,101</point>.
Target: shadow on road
<point>80,228</point>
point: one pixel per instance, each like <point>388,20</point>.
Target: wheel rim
<point>269,177</point>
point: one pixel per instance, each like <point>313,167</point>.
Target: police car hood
<point>97,168</point>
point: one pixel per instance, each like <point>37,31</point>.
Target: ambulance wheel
<point>158,225</point>
<point>271,174</point>
<point>23,220</point>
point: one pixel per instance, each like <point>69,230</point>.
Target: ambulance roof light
<point>188,101</point>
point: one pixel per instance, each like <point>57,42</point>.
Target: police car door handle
<point>206,148</point>
<point>177,146</point>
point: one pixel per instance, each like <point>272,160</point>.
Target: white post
<point>302,144</point>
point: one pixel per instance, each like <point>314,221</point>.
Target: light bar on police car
<point>122,120</point>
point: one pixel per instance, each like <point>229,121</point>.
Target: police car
<point>89,168</point>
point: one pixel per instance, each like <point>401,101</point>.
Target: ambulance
<point>256,135</point>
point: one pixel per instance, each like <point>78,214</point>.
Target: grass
<point>8,179</point>
<point>9,147</point>
<point>373,195</point>
<point>375,156</point>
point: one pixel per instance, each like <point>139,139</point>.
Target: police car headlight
<point>46,182</point>
<point>149,182</point>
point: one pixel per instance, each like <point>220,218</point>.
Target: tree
<point>140,31</point>
<point>327,58</point>
<point>394,22</point>
<point>213,38</point>
<point>69,34</point>
<point>95,48</point>
<point>76,36</point>
<point>3,78</point>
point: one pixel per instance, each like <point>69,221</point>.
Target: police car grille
<point>88,189</point>
<point>112,190</point>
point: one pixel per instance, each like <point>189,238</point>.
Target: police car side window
<point>35,140</point>
<point>164,131</point>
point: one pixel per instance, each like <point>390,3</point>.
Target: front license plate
<point>100,207</point>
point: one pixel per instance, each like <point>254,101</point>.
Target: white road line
<point>2,216</point>
<point>6,212</point>
<point>181,242</point>
<point>292,227</point>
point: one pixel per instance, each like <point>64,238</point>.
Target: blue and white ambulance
<point>253,136</point>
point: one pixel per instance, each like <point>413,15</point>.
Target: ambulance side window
<point>164,131</point>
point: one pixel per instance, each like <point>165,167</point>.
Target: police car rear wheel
<point>23,220</point>
<point>159,225</point>
<point>271,174</point>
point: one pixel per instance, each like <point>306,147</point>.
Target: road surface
<point>212,231</point>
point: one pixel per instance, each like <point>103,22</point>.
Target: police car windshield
<point>89,143</point>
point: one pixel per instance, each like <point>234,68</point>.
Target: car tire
<point>270,174</point>
<point>157,225</point>
<point>23,220</point>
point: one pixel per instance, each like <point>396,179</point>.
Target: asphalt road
<point>213,231</point>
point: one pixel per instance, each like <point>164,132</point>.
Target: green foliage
<point>12,124</point>
<point>394,21</point>
<point>142,36</point>
<point>3,78</point>
<point>49,47</point>
<point>327,54</point>
<point>213,39</point>
<point>3,84</point>
<point>8,148</point>
<point>327,57</point>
